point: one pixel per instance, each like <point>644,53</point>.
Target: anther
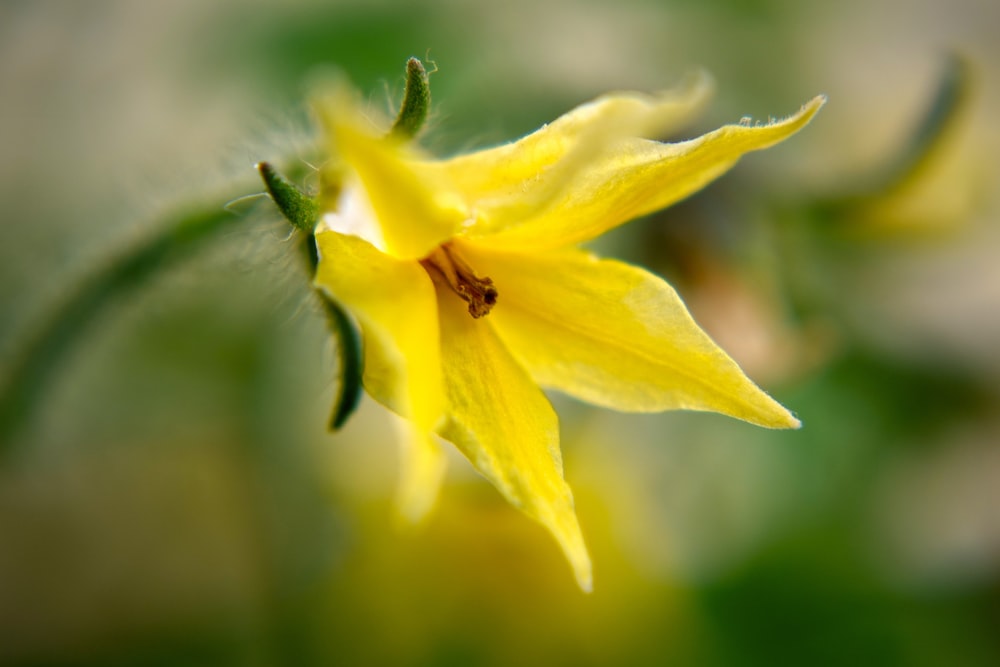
<point>446,267</point>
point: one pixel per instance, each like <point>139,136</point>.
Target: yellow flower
<point>471,294</point>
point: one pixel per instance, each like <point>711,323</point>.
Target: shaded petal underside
<point>615,335</point>
<point>502,422</point>
<point>395,303</point>
<point>623,180</point>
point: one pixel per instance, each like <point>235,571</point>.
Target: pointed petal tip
<point>780,418</point>
<point>422,468</point>
<point>565,527</point>
<point>817,101</point>
<point>413,506</point>
<point>796,121</point>
<point>770,414</point>
<point>793,423</point>
<point>810,108</point>
<point>585,582</point>
<point>579,559</point>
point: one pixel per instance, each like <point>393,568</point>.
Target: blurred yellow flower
<point>470,293</point>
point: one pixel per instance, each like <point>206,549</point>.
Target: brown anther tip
<point>446,268</point>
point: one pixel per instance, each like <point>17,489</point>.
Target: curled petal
<point>620,180</point>
<point>502,422</point>
<point>616,335</point>
<point>499,172</point>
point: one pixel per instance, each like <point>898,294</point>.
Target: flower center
<point>445,267</point>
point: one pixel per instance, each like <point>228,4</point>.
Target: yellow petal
<point>395,303</point>
<point>626,179</point>
<point>422,467</point>
<point>615,335</point>
<point>506,427</point>
<point>416,209</point>
<point>495,172</point>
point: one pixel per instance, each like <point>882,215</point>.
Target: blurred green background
<point>176,500</point>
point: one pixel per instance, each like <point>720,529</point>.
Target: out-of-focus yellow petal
<point>625,179</point>
<point>395,303</point>
<point>502,171</point>
<point>615,335</point>
<point>415,208</point>
<point>422,467</point>
<point>506,427</point>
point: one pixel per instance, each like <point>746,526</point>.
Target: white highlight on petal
<point>354,216</point>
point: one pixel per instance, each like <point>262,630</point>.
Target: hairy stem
<point>25,381</point>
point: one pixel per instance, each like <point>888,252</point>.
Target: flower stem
<point>25,381</point>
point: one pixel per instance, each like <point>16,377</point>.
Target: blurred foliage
<point>177,500</point>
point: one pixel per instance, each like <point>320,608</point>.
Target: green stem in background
<point>950,98</point>
<point>922,144</point>
<point>26,380</point>
<point>416,102</point>
<point>32,369</point>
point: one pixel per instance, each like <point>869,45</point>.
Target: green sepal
<point>298,208</point>
<point>350,360</point>
<point>416,101</point>
<point>348,341</point>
